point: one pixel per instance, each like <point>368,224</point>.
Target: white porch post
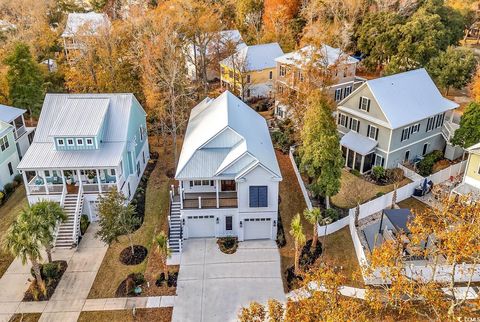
<point>45,182</point>
<point>80,183</point>
<point>346,157</point>
<point>361,164</point>
<point>180,193</point>
<point>63,179</point>
<point>99,183</point>
<point>217,192</point>
<point>25,180</point>
<point>354,159</point>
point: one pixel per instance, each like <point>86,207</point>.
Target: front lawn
<point>8,213</point>
<point>141,315</point>
<point>112,272</point>
<point>343,199</point>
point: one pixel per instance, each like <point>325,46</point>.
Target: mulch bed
<point>138,256</point>
<point>227,245</point>
<point>171,282</point>
<point>308,258</point>
<point>128,285</point>
<point>34,294</point>
<point>138,199</point>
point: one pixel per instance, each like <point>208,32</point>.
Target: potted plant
<point>68,174</point>
<point>90,176</point>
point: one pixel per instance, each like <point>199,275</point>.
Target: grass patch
<point>8,213</point>
<point>142,315</point>
<point>291,203</point>
<point>112,272</point>
<point>415,205</point>
<point>25,317</point>
<point>339,251</point>
<point>343,198</point>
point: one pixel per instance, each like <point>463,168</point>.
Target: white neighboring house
<point>78,27</point>
<point>85,145</point>
<point>228,173</point>
<point>219,43</point>
<point>22,134</point>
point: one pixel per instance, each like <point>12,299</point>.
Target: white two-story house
<point>227,172</point>
<point>85,145</point>
<point>394,119</point>
<point>22,134</point>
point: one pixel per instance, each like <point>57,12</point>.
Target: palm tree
<point>313,216</point>
<point>46,215</point>
<point>296,230</point>
<point>162,244</point>
<point>22,241</point>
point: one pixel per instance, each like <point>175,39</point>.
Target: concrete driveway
<point>213,286</point>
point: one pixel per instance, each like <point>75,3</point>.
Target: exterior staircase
<point>175,228</point>
<point>66,236</point>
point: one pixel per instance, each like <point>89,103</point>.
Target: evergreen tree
<point>469,132</point>
<point>320,153</point>
<point>25,80</point>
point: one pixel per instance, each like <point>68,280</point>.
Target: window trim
<point>338,94</point>
<point>79,141</point>
<point>379,157</point>
<point>61,144</point>
<point>375,132</point>
<point>260,203</point>
<point>367,105</point>
<point>73,142</point>
<point>357,122</point>
<point>86,141</point>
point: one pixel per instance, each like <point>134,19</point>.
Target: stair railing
<point>77,215</point>
<point>64,194</point>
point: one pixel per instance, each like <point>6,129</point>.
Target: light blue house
<point>8,154</point>
<point>85,145</point>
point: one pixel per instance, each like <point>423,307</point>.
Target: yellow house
<point>250,72</point>
<point>471,179</point>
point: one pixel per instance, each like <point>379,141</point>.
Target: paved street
<point>213,286</point>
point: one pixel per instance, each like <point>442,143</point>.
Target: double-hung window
<point>348,90</point>
<point>258,196</point>
<point>60,142</point>
<point>89,141</point>
<point>270,75</point>
<point>364,104</point>
<point>342,119</point>
<point>4,143</point>
<point>338,94</point>
<point>354,125</point>
<point>372,132</point>
<point>283,71</point>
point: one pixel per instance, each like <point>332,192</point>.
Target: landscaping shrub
<point>52,274</point>
<point>128,285</point>
<point>283,137</point>
<point>355,172</point>
<point>281,241</point>
<point>8,188</point>
<point>50,270</point>
<point>332,213</point>
<point>425,166</point>
<point>379,194</point>
<point>18,179</point>
<point>394,175</point>
<point>378,173</point>
<point>84,222</point>
<point>228,245</point>
<point>171,280</point>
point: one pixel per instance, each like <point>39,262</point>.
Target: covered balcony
<point>41,182</point>
<point>206,194</point>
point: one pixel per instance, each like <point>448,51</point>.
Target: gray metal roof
<point>358,142</point>
<point>5,128</point>
<point>9,113</point>
<point>219,133</point>
<point>44,156</point>
<point>86,23</point>
<point>399,218</point>
<point>86,113</point>
<point>325,55</point>
<point>408,97</point>
<point>256,57</point>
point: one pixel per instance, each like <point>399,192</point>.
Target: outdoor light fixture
<point>183,222</point>
<point>240,224</point>
<point>274,223</point>
<point>218,220</point>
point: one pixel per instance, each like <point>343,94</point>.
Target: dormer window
<point>89,142</point>
<point>60,142</point>
<point>364,104</point>
<point>70,142</point>
<point>79,141</point>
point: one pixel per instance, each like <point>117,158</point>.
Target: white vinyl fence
<point>299,179</point>
<point>445,174</point>
<point>410,174</point>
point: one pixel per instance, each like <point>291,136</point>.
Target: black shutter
<point>358,126</point>
<point>191,184</point>
<point>350,127</point>
<point>376,133</point>
<point>253,197</point>
<point>368,105</point>
<point>360,103</point>
<point>368,130</point>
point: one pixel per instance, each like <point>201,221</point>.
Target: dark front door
<point>228,185</point>
<point>228,222</point>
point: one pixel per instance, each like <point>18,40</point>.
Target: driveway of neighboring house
<point>213,286</point>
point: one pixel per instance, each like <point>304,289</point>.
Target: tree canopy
<point>469,132</point>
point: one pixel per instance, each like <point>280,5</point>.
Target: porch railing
<point>76,219</point>
<point>206,203</point>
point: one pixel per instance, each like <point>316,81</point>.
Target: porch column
<point>361,164</point>
<point>180,193</point>
<point>354,159</point>
<point>25,180</point>
<point>99,183</point>
<point>45,182</point>
<point>117,178</point>
<point>63,181</point>
<point>80,183</point>
<point>346,157</point>
<point>217,183</point>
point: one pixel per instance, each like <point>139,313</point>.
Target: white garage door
<point>201,226</point>
<point>257,228</point>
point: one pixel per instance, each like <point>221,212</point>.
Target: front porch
<point>63,181</point>
<point>205,194</point>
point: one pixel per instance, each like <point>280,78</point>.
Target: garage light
<point>183,222</point>
<point>218,220</point>
<point>274,223</point>
<point>240,224</point>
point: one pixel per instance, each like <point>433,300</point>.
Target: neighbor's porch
<point>206,194</point>
<point>60,181</point>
